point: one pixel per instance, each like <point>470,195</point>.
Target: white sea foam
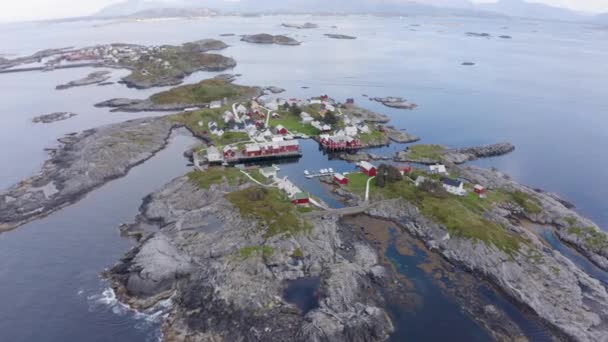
<point>155,314</point>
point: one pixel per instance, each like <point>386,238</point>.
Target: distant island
<point>301,26</point>
<point>150,66</point>
<point>339,36</point>
<point>264,38</point>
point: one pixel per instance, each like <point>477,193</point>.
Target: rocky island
<point>434,154</point>
<point>96,77</point>
<point>193,96</point>
<point>53,117</point>
<point>339,36</point>
<point>227,263</point>
<point>301,26</point>
<point>150,66</point>
<point>213,243</point>
<point>264,38</point>
<point>395,102</point>
<point>82,163</point>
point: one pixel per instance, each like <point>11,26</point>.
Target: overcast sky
<point>16,10</point>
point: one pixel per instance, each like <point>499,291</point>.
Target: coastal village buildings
<point>339,142</point>
<point>306,118</point>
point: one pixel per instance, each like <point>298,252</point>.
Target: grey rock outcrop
<point>84,162</point>
<point>578,231</point>
<point>92,78</point>
<point>541,279</point>
<point>53,117</point>
<point>339,36</point>
<point>463,155</point>
<point>264,38</point>
<point>229,296</point>
<point>395,102</point>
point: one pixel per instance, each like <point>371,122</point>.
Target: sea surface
<point>544,90</point>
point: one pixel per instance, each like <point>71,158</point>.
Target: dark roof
<point>452,182</point>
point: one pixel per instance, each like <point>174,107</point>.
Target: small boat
<point>323,171</point>
<point>306,172</point>
<point>331,170</point>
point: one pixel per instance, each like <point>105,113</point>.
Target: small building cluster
<point>271,148</point>
<point>339,142</point>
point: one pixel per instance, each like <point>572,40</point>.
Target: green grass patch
<point>217,175</point>
<point>294,124</point>
<point>592,237</point>
<point>375,137</point>
<point>462,216</point>
<point>271,207</point>
<point>297,253</point>
<point>191,121</point>
<point>203,92</point>
<point>527,202</point>
<point>419,152</point>
<point>249,251</point>
<point>357,182</point>
<point>255,174</point>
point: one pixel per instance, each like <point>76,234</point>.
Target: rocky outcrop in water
<point>301,26</point>
<point>92,78</point>
<point>536,277</point>
<point>264,38</point>
<point>339,36</point>
<point>479,35</point>
<point>435,154</point>
<point>463,155</point>
<point>137,106</point>
<point>222,293</point>
<point>275,90</point>
<point>400,136</point>
<point>395,102</point>
<point>84,161</point>
<point>53,117</point>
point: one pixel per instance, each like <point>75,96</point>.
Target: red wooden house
<point>301,198</point>
<point>281,130</point>
<point>480,190</point>
<point>340,179</point>
<point>368,169</point>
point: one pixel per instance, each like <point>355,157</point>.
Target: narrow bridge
<point>343,211</point>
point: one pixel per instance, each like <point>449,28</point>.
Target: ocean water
<point>544,90</point>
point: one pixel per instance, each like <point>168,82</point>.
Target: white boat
<point>323,171</point>
<point>306,172</point>
<point>331,170</point>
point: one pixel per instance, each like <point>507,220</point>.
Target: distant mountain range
<point>511,8</point>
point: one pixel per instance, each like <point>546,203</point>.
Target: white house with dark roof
<point>454,186</point>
